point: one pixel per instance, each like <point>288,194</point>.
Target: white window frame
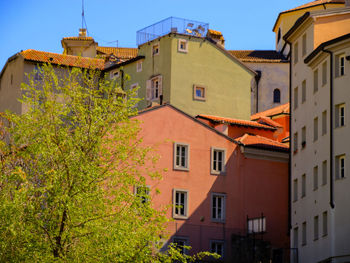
<point>176,210</point>
<point>340,111</point>
<point>303,185</point>
<point>139,66</point>
<point>223,161</point>
<point>154,92</point>
<point>340,167</point>
<point>185,243</point>
<point>183,50</point>
<point>153,49</point>
<point>147,192</point>
<point>341,65</point>
<point>179,166</point>
<point>195,97</point>
<point>215,248</point>
<point>214,205</point>
<point>295,190</point>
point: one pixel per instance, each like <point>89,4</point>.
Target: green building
<point>184,63</point>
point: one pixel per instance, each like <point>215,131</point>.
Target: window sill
<point>184,169</point>
<point>199,98</point>
<point>180,217</point>
<point>222,221</point>
<point>182,51</point>
<point>217,173</point>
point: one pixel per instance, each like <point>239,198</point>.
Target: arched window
<point>279,35</point>
<point>276,96</point>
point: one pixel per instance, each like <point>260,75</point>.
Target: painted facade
<point>223,82</point>
<point>319,175</point>
<point>244,185</point>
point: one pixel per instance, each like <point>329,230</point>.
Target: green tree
<point>68,166</point>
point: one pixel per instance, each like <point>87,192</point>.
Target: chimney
<point>217,37</point>
<point>82,32</point>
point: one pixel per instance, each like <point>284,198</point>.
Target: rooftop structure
<point>171,25</point>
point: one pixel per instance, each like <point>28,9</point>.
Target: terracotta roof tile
<point>77,38</point>
<point>62,59</point>
<point>270,56</point>
<point>314,3</point>
<point>216,33</point>
<point>119,52</point>
<point>282,109</point>
<point>261,142</point>
<point>252,124</point>
<point>268,121</point>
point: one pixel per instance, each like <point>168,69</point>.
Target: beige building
<point>320,147</point>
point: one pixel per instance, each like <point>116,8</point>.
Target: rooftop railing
<point>171,25</point>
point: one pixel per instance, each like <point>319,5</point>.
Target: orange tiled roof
<point>268,121</point>
<point>271,56</point>
<point>119,52</point>
<point>314,3</point>
<point>261,142</point>
<point>216,33</point>
<point>282,109</point>
<point>62,59</point>
<point>238,122</point>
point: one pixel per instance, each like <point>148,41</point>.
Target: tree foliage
<point>67,171</point>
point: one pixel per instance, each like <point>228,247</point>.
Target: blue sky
<point>41,24</point>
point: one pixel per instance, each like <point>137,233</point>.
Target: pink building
<point>224,192</point>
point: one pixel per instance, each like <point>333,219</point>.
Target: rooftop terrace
<point>171,25</point>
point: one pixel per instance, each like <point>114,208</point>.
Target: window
<point>296,53</point>
<point>340,115</point>
<point>180,204</point>
<point>257,225</point>
<point>340,166</point>
<point>11,79</point>
<point>155,49</point>
<point>199,92</point>
<point>324,224</point>
<point>339,65</point>
<point>182,45</point>
<point>304,45</point>
<point>295,190</point>
<point>303,91</point>
<point>315,227</point>
<point>142,192</point>
<point>303,137</point>
<point>324,172</point>
<point>276,96</point>
<point>295,238</point>
<point>218,207</point>
<point>303,234</point>
<point>324,73</point>
<point>316,80</point>
<point>218,160</point>
<point>316,129</point>
<point>180,243</point>
<point>114,74</point>
<point>37,72</point>
<point>154,88</point>
<point>315,177</point>
<point>295,142</point>
<point>217,246</point>
<point>181,156</point>
<point>295,97</point>
<point>324,122</point>
<point>139,66</point>
<point>303,185</point>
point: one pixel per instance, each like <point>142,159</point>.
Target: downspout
<point>257,80</point>
<point>122,79</point>
<point>290,140</point>
<point>331,146</point>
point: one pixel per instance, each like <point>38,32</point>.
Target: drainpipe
<point>257,80</point>
<point>122,79</point>
<point>331,146</point>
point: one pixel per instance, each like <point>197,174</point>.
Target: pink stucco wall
<point>251,186</point>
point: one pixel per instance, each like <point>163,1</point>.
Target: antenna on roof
<point>83,30</point>
<point>82,14</point>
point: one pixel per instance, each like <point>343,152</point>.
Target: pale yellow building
<point>320,147</point>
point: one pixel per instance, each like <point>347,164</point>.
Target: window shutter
<point>160,85</point>
<point>148,90</point>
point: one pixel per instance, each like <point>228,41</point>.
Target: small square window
<point>155,49</point>
<point>181,156</point>
<point>218,160</point>
<point>182,45</point>
<point>218,207</point>
<point>199,92</point>
<point>217,246</point>
<point>115,74</point>
<point>139,66</point>
<point>180,204</point>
